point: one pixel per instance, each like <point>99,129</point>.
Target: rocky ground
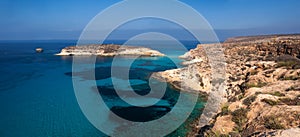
<point>108,50</point>
<point>262,85</point>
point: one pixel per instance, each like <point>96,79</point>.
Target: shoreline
<point>108,50</point>
<point>255,66</point>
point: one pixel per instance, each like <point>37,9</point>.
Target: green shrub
<point>277,93</point>
<point>270,102</point>
<point>248,101</point>
<point>289,101</point>
<point>288,64</point>
<point>291,78</point>
<point>239,116</point>
<point>241,96</point>
<point>261,84</point>
<point>271,122</point>
<point>258,85</point>
<point>225,110</point>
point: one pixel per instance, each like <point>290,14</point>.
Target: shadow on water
<point>138,114</point>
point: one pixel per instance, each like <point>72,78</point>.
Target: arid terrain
<point>262,85</point>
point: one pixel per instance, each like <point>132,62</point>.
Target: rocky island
<point>262,86</point>
<point>108,50</point>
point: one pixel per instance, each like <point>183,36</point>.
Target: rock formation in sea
<point>263,86</point>
<point>108,50</point>
<point>39,50</point>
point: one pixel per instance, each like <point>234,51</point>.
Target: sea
<point>37,96</point>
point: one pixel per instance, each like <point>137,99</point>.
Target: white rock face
<point>138,51</point>
<point>293,132</point>
<point>197,60</point>
<point>108,50</point>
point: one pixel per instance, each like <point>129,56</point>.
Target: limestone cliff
<point>263,85</point>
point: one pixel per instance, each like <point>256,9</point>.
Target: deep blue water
<point>37,97</point>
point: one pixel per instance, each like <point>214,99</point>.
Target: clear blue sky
<point>65,19</point>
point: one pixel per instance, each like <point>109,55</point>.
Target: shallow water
<point>37,96</point>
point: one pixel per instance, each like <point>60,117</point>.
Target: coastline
<point>108,50</point>
<point>255,67</point>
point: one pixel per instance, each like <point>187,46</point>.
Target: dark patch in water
<point>131,112</point>
<point>142,89</point>
<point>140,114</point>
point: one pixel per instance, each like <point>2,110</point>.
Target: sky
<point>66,19</point>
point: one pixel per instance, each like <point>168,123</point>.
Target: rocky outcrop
<point>39,50</point>
<point>108,50</point>
<point>195,77</point>
<point>262,91</point>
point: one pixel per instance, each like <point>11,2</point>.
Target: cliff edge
<point>263,85</point>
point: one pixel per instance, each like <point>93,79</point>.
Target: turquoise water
<point>37,96</point>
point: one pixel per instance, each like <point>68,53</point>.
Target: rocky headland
<point>108,50</point>
<point>262,86</point>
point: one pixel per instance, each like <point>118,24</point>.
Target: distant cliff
<point>263,85</point>
<point>108,50</point>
